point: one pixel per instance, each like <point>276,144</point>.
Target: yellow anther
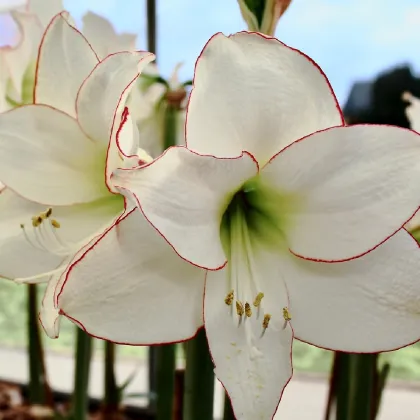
<point>266,321</point>
<point>286,314</point>
<point>239,308</point>
<point>46,214</point>
<point>55,224</point>
<point>248,310</point>
<point>36,221</point>
<point>22,226</point>
<point>229,298</point>
<point>258,299</point>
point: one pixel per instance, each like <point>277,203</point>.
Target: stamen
<point>43,235</point>
<point>266,321</point>
<point>258,299</point>
<point>55,224</point>
<point>286,315</point>
<point>229,298</point>
<point>36,221</point>
<point>46,214</point>
<point>248,310</point>
<point>239,308</point>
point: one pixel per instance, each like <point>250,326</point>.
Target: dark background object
<point>380,101</point>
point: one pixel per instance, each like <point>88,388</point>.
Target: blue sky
<point>350,39</point>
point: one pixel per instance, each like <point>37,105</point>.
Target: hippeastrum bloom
<point>17,63</point>
<point>56,156</point>
<point>155,102</point>
<point>103,38</point>
<point>283,205</point>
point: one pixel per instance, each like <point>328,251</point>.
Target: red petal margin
<point>89,248</point>
<point>270,39</point>
<point>61,15</point>
<point>380,243</point>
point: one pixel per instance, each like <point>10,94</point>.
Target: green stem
<point>199,380</point>
<point>111,392</point>
<point>165,381</point>
<point>228,410</point>
<point>39,391</point>
<point>382,378</point>
<point>170,127</point>
<point>81,379</point>
<point>356,392</point>
<point>151,25</point>
<point>342,390</point>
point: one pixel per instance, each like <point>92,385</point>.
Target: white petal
<point>45,10</point>
<point>356,185</point>
<point>49,315</point>
<point>65,60</point>
<point>45,157</point>
<point>101,34</point>
<point>413,111</point>
<point>254,365</point>
<point>130,287</point>
<point>370,304</point>
<point>101,93</point>
<point>20,258</point>
<point>9,5</point>
<point>184,195</point>
<point>256,94</point>
<point>20,58</point>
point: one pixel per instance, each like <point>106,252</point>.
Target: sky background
<point>350,39</point>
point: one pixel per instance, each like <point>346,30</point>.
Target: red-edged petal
<point>367,305</point>
<point>356,186</point>
<point>130,287</point>
<point>65,59</point>
<point>256,94</point>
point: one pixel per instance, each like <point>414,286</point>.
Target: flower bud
<point>263,15</point>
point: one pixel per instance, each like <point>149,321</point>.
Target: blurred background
<point>354,42</point>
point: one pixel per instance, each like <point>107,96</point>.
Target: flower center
<point>253,222</point>
<point>43,234</point>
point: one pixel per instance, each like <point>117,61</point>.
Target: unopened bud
<point>263,15</point>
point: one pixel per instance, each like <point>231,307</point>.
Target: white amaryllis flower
<point>283,205</point>
<point>103,38</point>
<point>148,105</point>
<point>56,156</point>
<point>17,63</point>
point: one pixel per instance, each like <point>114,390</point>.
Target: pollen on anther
<point>239,308</point>
<point>286,315</point>
<point>55,224</point>
<point>258,299</point>
<point>36,221</point>
<point>46,214</point>
<point>248,310</point>
<point>266,321</point>
<point>229,298</point>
